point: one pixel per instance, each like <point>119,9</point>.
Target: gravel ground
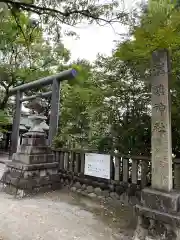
<point>60,215</point>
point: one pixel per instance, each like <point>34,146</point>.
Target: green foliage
<point>126,106</point>
<point>105,109</point>
<point>157,28</point>
<point>80,101</point>
<point>25,55</point>
<point>120,119</point>
<point>3,121</point>
<point>53,14</point>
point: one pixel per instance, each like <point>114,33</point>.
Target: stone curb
<point>98,193</point>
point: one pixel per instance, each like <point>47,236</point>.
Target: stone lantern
<point>33,166</point>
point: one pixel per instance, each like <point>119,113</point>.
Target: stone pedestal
<point>158,216</point>
<point>33,166</point>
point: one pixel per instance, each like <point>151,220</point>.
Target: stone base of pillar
<point>158,216</point>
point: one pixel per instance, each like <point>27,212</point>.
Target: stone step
<point>35,141</point>
<point>28,149</point>
<point>17,165</point>
<point>168,202</point>
<point>171,219</point>
<point>33,158</point>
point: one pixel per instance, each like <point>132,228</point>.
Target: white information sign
<point>97,165</point>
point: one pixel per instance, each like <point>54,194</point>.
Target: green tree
<point>25,55</point>
<point>126,102</point>
<point>80,100</point>
<point>121,119</point>
<point>156,28</point>
<point>68,12</point>
<point>52,15</point>
<point>106,109</point>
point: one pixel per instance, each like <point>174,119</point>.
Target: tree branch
<point>21,30</point>
<point>47,10</point>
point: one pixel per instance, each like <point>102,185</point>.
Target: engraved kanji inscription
<point>159,127</point>
<point>160,107</point>
<point>159,68</point>
<point>158,90</point>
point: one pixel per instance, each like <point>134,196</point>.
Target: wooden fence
<point>129,169</point>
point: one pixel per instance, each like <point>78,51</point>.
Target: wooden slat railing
<point>128,169</point>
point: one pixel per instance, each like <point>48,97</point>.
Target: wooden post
<point>125,169</point>
<point>61,164</point>
<point>144,172</point>
<point>117,169</point>
<point>77,163</point>
<point>66,160</point>
<point>82,162</point>
<point>71,161</point>
<point>134,171</point>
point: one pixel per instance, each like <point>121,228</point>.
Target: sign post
<point>97,165</point>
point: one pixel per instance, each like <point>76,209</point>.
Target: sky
<point>94,39</point>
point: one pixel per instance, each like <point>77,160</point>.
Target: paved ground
<point>59,215</point>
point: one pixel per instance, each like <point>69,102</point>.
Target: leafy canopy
<point>25,54</point>
<point>52,14</point>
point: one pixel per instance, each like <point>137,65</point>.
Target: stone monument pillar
<point>159,211</point>
<point>33,166</point>
<point>161,123</point>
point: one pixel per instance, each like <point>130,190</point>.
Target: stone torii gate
<point>53,80</point>
<point>34,167</point>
